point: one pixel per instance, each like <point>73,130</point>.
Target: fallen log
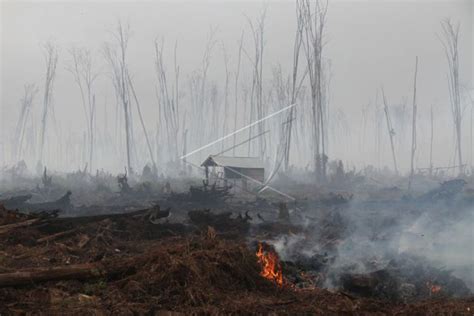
<point>6,228</point>
<point>82,220</point>
<point>81,271</point>
<point>55,236</point>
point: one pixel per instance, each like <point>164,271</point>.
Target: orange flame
<point>271,267</point>
<point>433,287</point>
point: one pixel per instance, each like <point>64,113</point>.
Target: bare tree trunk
<point>226,93</point>
<point>431,142</point>
<point>472,139</point>
<point>26,103</point>
<point>450,43</point>
<point>51,57</point>
<point>413,129</point>
<point>391,132</point>
<point>257,87</point>
<point>116,57</point>
<point>185,149</point>
<point>92,139</point>
<point>207,105</point>
<point>168,98</point>
<point>150,151</point>
<point>314,17</point>
<point>294,78</point>
<point>84,75</point>
<point>236,95</point>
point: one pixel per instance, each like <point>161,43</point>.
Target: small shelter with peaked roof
<point>234,168</point>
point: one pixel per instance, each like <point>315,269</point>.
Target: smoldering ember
<point>237,157</point>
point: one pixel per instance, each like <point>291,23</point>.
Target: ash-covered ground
<point>82,244</point>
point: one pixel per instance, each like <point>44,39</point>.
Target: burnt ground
<point>203,260</point>
<point>124,254</point>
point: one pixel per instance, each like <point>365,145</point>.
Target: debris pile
<point>129,263</point>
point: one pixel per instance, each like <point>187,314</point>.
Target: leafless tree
<point>29,94</point>
<point>294,79</point>
<point>391,132</point>
<point>431,141</point>
<point>51,59</point>
<point>142,122</point>
<point>450,43</point>
<point>208,90</point>
<point>314,20</point>
<point>257,107</point>
<point>168,98</point>
<point>413,129</point>
<point>116,55</point>
<point>226,92</point>
<point>236,84</point>
<point>203,97</point>
<point>84,74</point>
<point>472,134</point>
<point>280,97</point>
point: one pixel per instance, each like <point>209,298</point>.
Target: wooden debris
<point>56,236</point>
<point>6,228</point>
<point>82,271</point>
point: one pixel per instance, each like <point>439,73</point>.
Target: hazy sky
<point>370,44</point>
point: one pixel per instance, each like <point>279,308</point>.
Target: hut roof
<point>236,162</point>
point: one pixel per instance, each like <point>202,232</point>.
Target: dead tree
<point>203,95</point>
<point>450,43</point>
<point>185,149</point>
<point>214,109</point>
<point>226,93</point>
<point>116,57</point>
<point>472,139</point>
<point>84,74</point>
<point>257,106</point>
<point>314,20</point>
<point>29,94</point>
<point>391,132</point>
<point>236,95</point>
<point>413,129</point>
<point>286,92</point>
<point>280,95</point>
<point>294,87</point>
<point>46,180</point>
<point>51,58</point>
<point>208,91</point>
<point>431,141</point>
<point>142,122</point>
<point>168,98</point>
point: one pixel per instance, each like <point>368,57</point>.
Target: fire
<point>271,267</point>
<point>433,287</point>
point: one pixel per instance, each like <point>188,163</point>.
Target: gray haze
<point>370,44</point>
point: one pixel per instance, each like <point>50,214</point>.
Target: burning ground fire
<point>433,288</point>
<point>271,267</point>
